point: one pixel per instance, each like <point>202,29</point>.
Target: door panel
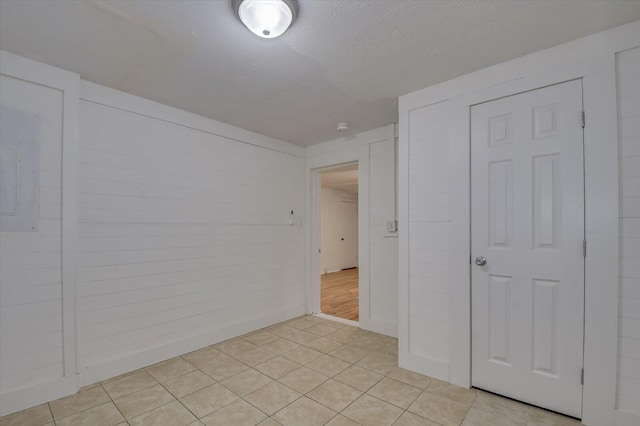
<point>528,221</point>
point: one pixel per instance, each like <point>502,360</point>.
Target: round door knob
<point>481,260</point>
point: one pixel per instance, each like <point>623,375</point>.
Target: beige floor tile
<point>359,378</point>
<point>269,421</point>
<point>208,400</point>
<point>409,419</point>
<point>88,397</point>
<point>302,337</point>
<point>341,420</point>
<point>246,382</point>
<point>169,369</point>
<point>303,379</point>
<point>539,417</point>
<point>277,367</point>
<point>235,347</point>
<point>302,355</point>
<point>35,416</point>
<point>378,363</point>
<point>334,395</point>
<point>239,413</point>
<point>128,384</point>
<point>504,407</point>
<point>142,401</point>
<point>102,415</point>
<point>439,409</point>
<point>369,342</point>
<point>255,356</point>
<point>272,397</point>
<point>204,356</point>
<point>477,417</point>
<point>320,329</point>
<point>324,345</point>
<point>224,368</point>
<point>305,412</point>
<point>395,392</point>
<point>188,383</point>
<point>281,346</point>
<point>348,353</point>
<point>171,414</point>
<point>345,335</point>
<point>455,393</point>
<point>371,411</point>
<point>410,378</point>
<point>282,330</point>
<point>328,365</point>
<point>301,323</point>
<point>261,338</point>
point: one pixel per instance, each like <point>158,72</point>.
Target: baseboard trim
<point>424,365</point>
<point>30,396</point>
<point>382,327</point>
<point>98,372</point>
<point>337,319</point>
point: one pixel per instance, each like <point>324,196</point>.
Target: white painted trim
<point>337,319</point>
<point>68,83</point>
<point>601,223</point>
<point>120,100</point>
<point>94,373</point>
<point>626,419</point>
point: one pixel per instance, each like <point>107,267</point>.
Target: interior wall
<point>375,152</point>
<point>628,79</point>
<point>433,264</point>
<point>184,235</point>
<point>339,230</point>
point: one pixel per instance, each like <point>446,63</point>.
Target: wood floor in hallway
<point>339,294</point>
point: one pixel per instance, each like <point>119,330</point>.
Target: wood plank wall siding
<point>182,233</point>
<point>628,76</point>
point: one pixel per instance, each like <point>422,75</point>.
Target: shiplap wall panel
<point>182,233</point>
<point>628,77</point>
<point>429,236</point>
<point>31,262</point>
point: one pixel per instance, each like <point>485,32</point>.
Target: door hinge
<point>583,119</point>
<point>469,259</point>
<point>582,377</point>
<point>584,248</point>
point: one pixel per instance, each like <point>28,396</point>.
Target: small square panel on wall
<point>19,171</point>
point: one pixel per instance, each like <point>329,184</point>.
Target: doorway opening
<point>339,281</point>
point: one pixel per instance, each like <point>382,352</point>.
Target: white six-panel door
<point>527,205</point>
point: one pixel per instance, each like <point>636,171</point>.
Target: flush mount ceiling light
<point>266,18</point>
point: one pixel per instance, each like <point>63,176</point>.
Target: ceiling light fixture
<point>266,18</point>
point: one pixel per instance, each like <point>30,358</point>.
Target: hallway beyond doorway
<point>339,294</point>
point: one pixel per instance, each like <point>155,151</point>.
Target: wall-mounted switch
<point>392,226</point>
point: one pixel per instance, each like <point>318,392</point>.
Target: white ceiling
<point>343,178</point>
<point>341,61</point>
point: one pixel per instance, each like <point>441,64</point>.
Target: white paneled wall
<point>184,236</point>
<point>383,245</point>
<point>428,239</point>
<point>628,77</point>
<point>339,228</point>
<point>31,262</point>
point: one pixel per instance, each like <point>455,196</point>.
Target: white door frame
<point>315,267</point>
<point>601,228</point>
<point>68,83</point>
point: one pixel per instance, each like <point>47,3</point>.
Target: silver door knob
<point>481,260</point>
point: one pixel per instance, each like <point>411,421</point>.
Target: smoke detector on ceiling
<point>343,127</point>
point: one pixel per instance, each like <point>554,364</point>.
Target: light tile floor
<point>304,372</point>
